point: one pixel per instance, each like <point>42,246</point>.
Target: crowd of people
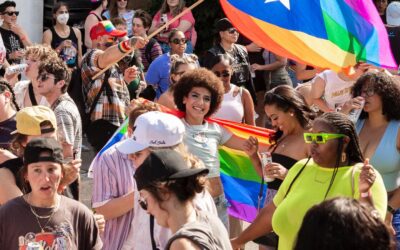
<point>333,179</point>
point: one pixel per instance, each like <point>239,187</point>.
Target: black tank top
<point>285,161</point>
<point>69,55</point>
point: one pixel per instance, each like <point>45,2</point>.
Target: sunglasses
<point>232,31</point>
<point>143,203</point>
<point>368,92</point>
<point>44,76</point>
<point>223,73</point>
<point>320,138</point>
<point>10,13</point>
<point>179,41</point>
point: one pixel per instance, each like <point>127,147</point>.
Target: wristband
<point>126,46</point>
<point>121,49</point>
<point>391,210</point>
<point>365,195</point>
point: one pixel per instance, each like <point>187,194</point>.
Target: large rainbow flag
<point>241,182</point>
<point>334,34</point>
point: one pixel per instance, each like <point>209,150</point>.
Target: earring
<point>291,114</point>
<point>344,157</point>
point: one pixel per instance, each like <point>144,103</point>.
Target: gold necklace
<point>43,217</point>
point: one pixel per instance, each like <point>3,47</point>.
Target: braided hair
<point>4,85</point>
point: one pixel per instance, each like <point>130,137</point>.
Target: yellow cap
<point>29,120</point>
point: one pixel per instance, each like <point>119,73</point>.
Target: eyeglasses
<point>179,41</point>
<point>368,92</point>
<point>224,73</point>
<point>10,13</point>
<point>320,138</point>
<point>232,31</point>
<point>44,76</point>
<point>142,203</point>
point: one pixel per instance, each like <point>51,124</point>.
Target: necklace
<point>48,217</point>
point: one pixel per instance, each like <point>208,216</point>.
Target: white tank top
<point>231,107</point>
<point>337,91</point>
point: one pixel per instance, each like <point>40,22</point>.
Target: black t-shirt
<point>394,39</point>
<point>12,42</point>
<point>6,127</point>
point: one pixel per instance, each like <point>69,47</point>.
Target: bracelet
<point>126,45</point>
<point>121,49</point>
<point>366,194</point>
<point>391,210</point>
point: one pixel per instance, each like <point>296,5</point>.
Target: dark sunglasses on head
<point>224,73</point>
<point>10,13</point>
<point>44,76</point>
<point>142,203</point>
<point>179,41</point>
<point>232,31</point>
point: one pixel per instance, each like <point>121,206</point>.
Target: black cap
<point>223,24</point>
<point>6,4</point>
<point>163,165</point>
<point>35,148</point>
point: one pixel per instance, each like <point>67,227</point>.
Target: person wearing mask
<point>95,16</point>
<point>158,73</point>
<point>336,168</point>
<point>120,8</point>
<point>170,9</point>
<point>107,96</point>
<point>14,36</point>
<point>42,215</point>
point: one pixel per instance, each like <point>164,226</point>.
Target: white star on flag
<point>286,3</point>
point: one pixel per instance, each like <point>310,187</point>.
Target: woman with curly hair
<point>199,94</point>
<point>378,129</point>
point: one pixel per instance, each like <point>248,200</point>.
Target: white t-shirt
<point>232,106</point>
<point>139,235</point>
<point>21,90</point>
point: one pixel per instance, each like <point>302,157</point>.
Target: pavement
<point>86,185</point>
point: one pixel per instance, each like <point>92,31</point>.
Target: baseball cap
<point>393,14</point>
<point>30,119</point>
<point>164,165</point>
<point>153,129</point>
<point>223,24</point>
<point>35,148</point>
<point>105,28</point>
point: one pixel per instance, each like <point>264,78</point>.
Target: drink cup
<point>18,68</point>
<point>265,160</point>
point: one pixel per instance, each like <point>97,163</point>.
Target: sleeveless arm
<point>47,37</point>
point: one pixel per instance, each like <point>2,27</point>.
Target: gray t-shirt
<point>207,232</point>
<point>203,141</point>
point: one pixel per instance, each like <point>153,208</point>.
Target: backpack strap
<point>103,87</point>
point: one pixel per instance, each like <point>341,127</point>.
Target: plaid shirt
<point>113,112</point>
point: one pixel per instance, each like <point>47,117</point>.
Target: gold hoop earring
<point>344,157</point>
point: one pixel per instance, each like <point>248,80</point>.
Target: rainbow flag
<point>333,34</point>
<point>241,182</point>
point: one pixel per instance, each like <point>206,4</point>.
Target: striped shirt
<point>113,111</point>
<point>113,177</point>
<point>154,53</point>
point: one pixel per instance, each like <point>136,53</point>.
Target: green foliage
<point>205,15</point>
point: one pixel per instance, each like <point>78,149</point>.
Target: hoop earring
<point>344,157</point>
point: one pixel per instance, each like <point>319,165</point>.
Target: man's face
<point>10,15</point>
<point>46,83</point>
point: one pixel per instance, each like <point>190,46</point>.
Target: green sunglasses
<point>320,138</point>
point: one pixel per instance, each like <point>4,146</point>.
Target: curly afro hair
<point>201,78</point>
<point>386,87</point>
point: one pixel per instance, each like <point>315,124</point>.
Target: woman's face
<point>173,3</point>
<point>32,70</point>
<point>178,43</point>
<point>381,6</point>
<point>60,11</point>
<point>154,208</point>
<point>44,179</point>
<point>223,71</point>
<point>280,120</point>
<point>138,28</point>
<point>324,154</point>
<point>230,35</point>
<point>197,103</point>
<point>183,68</point>
<point>121,4</point>
<point>139,157</point>
<point>373,102</point>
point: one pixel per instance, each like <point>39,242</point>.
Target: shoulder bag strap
<point>32,95</point>
<point>153,242</point>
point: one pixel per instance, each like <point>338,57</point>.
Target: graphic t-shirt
<point>71,226</point>
<point>12,42</point>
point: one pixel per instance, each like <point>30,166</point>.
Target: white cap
<point>393,14</point>
<point>153,129</point>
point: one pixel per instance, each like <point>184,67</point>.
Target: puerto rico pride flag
<point>333,34</point>
<point>240,180</point>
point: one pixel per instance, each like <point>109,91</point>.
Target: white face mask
<point>63,18</point>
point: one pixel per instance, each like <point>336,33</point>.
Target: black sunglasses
<point>179,41</point>
<point>223,73</point>
<point>44,76</point>
<point>232,30</point>
<point>10,13</point>
<point>142,203</point>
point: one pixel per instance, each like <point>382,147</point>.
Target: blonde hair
<point>41,52</point>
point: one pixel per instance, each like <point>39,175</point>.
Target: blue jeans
<point>396,226</point>
<point>222,208</point>
<point>165,47</point>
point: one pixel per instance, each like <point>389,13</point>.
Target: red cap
<point>105,28</point>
